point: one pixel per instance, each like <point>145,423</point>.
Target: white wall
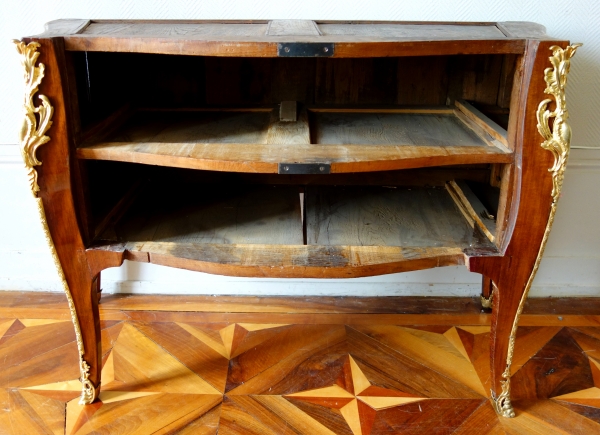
<point>571,265</point>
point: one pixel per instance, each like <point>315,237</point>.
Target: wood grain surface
<point>254,141</point>
<point>386,217</point>
<point>261,37</point>
<point>392,128</point>
<point>276,376</point>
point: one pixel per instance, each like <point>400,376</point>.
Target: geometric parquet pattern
<point>264,378</point>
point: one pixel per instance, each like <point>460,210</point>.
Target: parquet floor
<point>294,366</point>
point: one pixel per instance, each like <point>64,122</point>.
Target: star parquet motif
<point>265,378</point>
<point>358,401</point>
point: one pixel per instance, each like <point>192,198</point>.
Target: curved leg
<point>509,305</point>
<point>506,311</point>
<point>85,302</point>
<point>80,290</point>
<point>513,273</point>
<point>56,209</point>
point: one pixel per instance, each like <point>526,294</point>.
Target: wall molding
<point>584,158</point>
<point>11,160</point>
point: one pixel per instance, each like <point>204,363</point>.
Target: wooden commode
<point>297,149</point>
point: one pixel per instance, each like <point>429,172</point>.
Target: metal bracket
<point>305,49</point>
<point>304,168</point>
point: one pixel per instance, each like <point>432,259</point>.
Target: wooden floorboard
<point>311,365</point>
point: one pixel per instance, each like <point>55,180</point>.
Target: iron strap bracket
<point>304,168</point>
<point>305,49</point>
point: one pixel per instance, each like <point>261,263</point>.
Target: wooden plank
<point>422,80</point>
<point>264,158</point>
<point>482,133</point>
<point>481,78</point>
<point>428,48</point>
<point>392,128</point>
<point>414,32</point>
<point>201,31</point>
<point>293,28</point>
<point>256,31</point>
<point>358,319</point>
<point>480,210</point>
<point>475,78</point>
<point>507,77</point>
<point>232,81</point>
<point>410,126</point>
<point>298,261</point>
<point>286,132</point>
<point>302,304</point>
<point>232,46</point>
<point>372,82</point>
<point>471,208</point>
<point>566,311</point>
<point>523,29</point>
<point>65,27</point>
<point>418,109</point>
<point>256,38</point>
<point>482,121</point>
<point>386,217</point>
<point>195,127</point>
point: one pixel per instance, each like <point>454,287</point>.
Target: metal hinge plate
<point>305,49</point>
<point>304,168</point>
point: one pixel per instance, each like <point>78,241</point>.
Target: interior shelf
<point>349,140</point>
<point>292,231</point>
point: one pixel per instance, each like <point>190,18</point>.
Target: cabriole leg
<point>506,310</point>
<point>68,253</point>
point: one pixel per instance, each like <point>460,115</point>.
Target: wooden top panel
<point>291,29</point>
<point>260,38</point>
<point>413,32</point>
<point>203,31</point>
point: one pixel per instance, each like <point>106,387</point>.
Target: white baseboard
<point>138,278</point>
<point>298,289</point>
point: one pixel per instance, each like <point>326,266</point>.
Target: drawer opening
<point>360,115</point>
<point>229,226</point>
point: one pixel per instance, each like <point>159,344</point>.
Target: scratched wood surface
<point>393,128</point>
<point>275,375</point>
<point>380,216</point>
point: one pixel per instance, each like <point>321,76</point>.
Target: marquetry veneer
<point>297,149</point>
